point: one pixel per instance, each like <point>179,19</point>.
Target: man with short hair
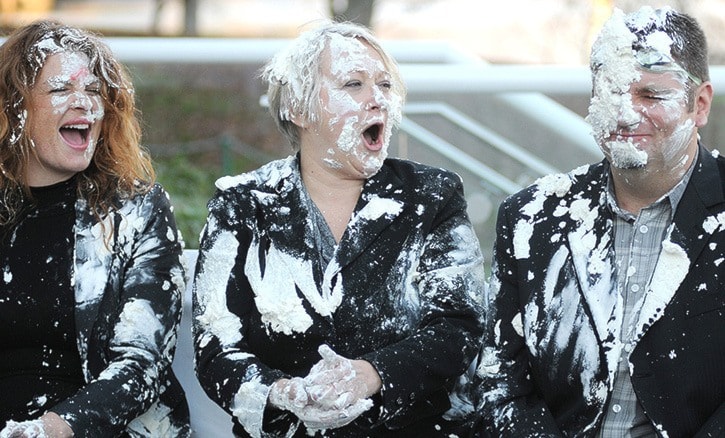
<point>606,311</point>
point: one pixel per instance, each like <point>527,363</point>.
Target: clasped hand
<point>334,393</point>
<point>23,429</point>
<point>50,425</point>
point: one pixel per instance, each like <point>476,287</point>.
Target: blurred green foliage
<point>201,122</point>
<point>189,179</point>
<point>189,187</point>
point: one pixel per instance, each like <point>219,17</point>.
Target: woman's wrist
<point>55,426</point>
<point>367,372</point>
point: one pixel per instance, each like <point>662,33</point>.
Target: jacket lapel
<point>285,220</point>
<point>92,264</point>
<point>381,202</point>
<point>684,242</point>
<point>592,255</point>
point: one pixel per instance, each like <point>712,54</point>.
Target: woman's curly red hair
<point>120,167</point>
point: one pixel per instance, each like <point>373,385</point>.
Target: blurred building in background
<point>512,31</point>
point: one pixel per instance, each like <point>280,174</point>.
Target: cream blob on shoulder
<point>557,184</point>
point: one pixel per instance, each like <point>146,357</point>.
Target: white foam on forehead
<point>71,40</point>
<point>613,48</point>
<point>71,62</point>
<point>345,54</point>
<point>47,44</point>
<point>646,17</point>
<point>285,65</point>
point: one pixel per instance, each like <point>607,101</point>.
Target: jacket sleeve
<point>233,377</point>
<point>715,425</point>
<point>137,349</point>
<point>417,372</point>
<point>510,405</point>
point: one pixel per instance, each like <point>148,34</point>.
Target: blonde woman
<point>337,291</point>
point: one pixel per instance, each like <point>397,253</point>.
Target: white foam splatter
<point>210,287</point>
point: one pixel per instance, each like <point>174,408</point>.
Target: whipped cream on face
<point>74,70</point>
<point>611,101</point>
<point>348,56</point>
<point>616,67</point>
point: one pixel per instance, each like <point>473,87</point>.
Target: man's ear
<point>703,103</point>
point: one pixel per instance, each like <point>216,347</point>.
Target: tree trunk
<point>358,11</point>
<point>190,8</point>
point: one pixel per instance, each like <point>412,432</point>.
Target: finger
<point>326,352</point>
<point>319,393</point>
<point>316,418</point>
<point>324,376</point>
<point>296,393</point>
<point>330,359</point>
<point>288,394</point>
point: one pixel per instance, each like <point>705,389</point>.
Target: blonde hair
<point>293,75</point>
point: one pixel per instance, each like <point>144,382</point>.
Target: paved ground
<point>510,31</point>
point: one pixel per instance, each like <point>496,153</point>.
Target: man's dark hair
<point>689,45</point>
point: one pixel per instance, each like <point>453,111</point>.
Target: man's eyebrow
<point>654,89</point>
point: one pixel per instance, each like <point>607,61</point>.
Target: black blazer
<point>403,291</point>
<point>128,308</point>
<point>551,344</point>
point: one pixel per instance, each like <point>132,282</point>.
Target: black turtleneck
<point>39,360</point>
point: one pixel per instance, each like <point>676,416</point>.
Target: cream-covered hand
<point>288,394</point>
<point>336,382</point>
<point>339,390</point>
<point>336,391</point>
<point>291,395</point>
<point>317,418</point>
<point>49,425</point>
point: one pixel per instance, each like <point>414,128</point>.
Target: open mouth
<point>75,135</point>
<point>372,136</point>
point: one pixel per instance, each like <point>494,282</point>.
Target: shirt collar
<point>674,196</point>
